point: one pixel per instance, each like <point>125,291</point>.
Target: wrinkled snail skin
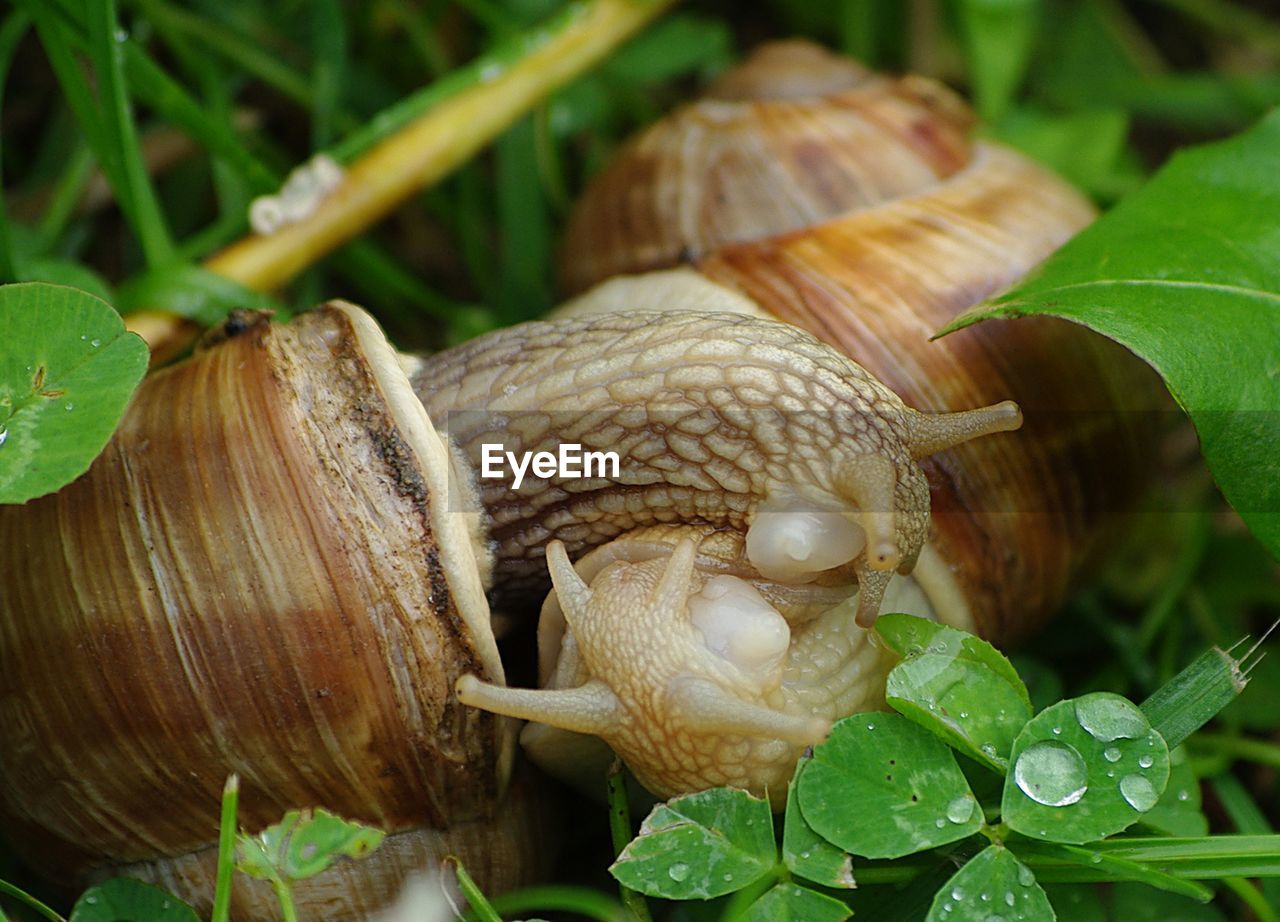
<point>717,418</point>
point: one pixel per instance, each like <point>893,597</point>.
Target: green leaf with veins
<point>882,787</point>
<point>1084,769</point>
<point>67,370</point>
<point>992,885</point>
<point>700,846</point>
<point>127,900</point>
<point>956,686</point>
<point>304,843</point>
<point>805,853</point>
<point>788,902</point>
<point>1186,273</point>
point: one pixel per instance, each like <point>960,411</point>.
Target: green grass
<point>257,88</point>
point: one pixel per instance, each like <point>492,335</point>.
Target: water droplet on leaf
<point>960,810</point>
<point>678,871</point>
<point>1112,754</point>
<point>1138,791</point>
<point>1025,876</point>
<point>1107,718</point>
<point>1146,761</point>
<point>1051,773</point>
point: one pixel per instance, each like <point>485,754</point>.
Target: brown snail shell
<point>259,575</point>
<point>785,204</point>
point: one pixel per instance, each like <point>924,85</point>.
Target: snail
<point>282,562</point>
<point>805,188</point>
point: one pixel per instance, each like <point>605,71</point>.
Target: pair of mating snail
<point>282,567</point>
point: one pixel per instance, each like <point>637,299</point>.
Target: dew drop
<point>1107,719</point>
<point>4,434</point>
<point>1057,731</point>
<point>939,822</point>
<point>871,726</point>
<point>1146,761</point>
<point>1051,773</point>
<point>728,878</point>
<point>1025,876</point>
<point>69,406</point>
<point>91,900</point>
<point>1010,899</point>
<point>678,871</point>
<point>1111,754</point>
<point>989,750</point>
<point>995,918</point>
<point>960,809</point>
<point>1138,791</point>
<point>1095,858</point>
<point>95,343</point>
<point>957,894</point>
<point>986,897</point>
<point>1184,795</point>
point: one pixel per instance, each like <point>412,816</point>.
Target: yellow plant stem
<point>422,152</point>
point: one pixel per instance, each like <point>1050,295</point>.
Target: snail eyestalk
<point>929,433</point>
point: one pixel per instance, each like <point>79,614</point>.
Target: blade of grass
<point>133,188</point>
<point>620,831</point>
<point>58,38</point>
<point>245,52</point>
<point>226,850</point>
<point>1247,818</point>
<point>1184,570</point>
<point>14,28</point>
<point>437,143</point>
<point>1262,908</point>
<point>1054,863</point>
<point>480,907</point>
<point>1241,747</point>
<point>1194,696</point>
<point>328,68</point>
<point>1203,857</point>
<point>30,902</point>
<point>524,227</point>
<point>67,193</point>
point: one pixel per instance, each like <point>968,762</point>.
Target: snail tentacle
<point>591,708</point>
